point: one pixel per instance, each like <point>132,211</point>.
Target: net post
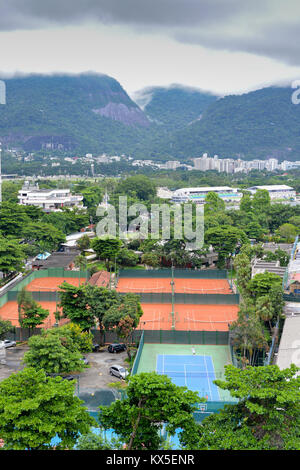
<point>172,297</point>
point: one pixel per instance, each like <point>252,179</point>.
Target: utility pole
<point>173,306</point>
<point>0,173</point>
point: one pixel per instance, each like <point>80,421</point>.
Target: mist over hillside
<point>92,113</point>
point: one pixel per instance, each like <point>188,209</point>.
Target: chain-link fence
<point>177,273</point>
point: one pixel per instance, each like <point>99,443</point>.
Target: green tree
<point>254,230</point>
<point>92,441</point>
<point>287,232</point>
<point>5,327</point>
<point>174,252</point>
<point>140,186</point>
<point>53,353</point>
<point>213,204</point>
<point>264,283</point>
<point>46,236</point>
<point>34,409</point>
<point>83,243</point>
<point>261,201</point>
<point>33,316</point>
<point>225,240</point>
<point>123,318</point>
<point>127,257</point>
<point>13,219</point>
<point>282,256</point>
<point>11,256</point>
<point>81,262</point>
<point>266,417</point>
<point>107,248</point>
<point>246,203</point>
<point>242,265</point>
<point>75,305</point>
<point>247,335</point>
<point>151,401</point>
<point>151,259</point>
<point>265,309</point>
<point>86,304</point>
<point>67,220</point>
<point>74,337</point>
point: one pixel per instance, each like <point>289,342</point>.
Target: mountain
<point>91,113</point>
<point>173,107</point>
<point>259,124</point>
<point>88,112</point>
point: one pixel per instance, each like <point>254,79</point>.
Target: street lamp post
<point>0,173</point>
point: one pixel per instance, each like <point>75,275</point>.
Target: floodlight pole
<point>0,173</point>
<point>172,286</point>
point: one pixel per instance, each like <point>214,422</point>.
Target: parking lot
<point>96,376</point>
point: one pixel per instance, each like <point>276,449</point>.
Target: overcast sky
<point>225,46</point>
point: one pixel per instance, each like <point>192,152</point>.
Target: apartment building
<point>49,199</point>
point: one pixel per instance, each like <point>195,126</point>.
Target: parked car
<point>116,347</point>
<point>96,347</point>
<point>65,377</point>
<point>68,377</point>
<point>9,344</point>
<point>118,371</point>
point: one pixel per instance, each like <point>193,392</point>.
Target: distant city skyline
<point>224,47</point>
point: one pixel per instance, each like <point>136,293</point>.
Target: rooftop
<point>207,188</point>
<point>57,260</point>
<point>289,347</point>
<point>100,279</point>
<point>274,187</point>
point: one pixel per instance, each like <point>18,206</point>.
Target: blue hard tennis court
<point>195,372</point>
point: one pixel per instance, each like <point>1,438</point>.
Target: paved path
<point>94,377</point>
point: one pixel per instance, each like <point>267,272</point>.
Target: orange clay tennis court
<point>187,286</point>
<point>52,283</point>
<point>188,317</point>
<point>9,311</point>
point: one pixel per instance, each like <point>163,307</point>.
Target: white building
<point>198,195</point>
<point>71,240</point>
<point>276,191</point>
<point>272,164</point>
<point>172,164</point>
<point>49,199</point>
<point>289,351</point>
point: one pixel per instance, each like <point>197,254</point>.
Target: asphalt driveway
<point>96,376</point>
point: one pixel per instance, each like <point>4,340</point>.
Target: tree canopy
<point>266,417</point>
<point>34,409</point>
<point>151,401</point>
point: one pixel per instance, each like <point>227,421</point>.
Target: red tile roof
<point>100,279</point>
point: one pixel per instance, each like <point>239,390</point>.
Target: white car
<point>118,371</point>
<point>8,343</point>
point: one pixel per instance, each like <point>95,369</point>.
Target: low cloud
<point>17,14</point>
<point>262,27</point>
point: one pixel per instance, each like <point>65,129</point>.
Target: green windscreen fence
<point>186,337</point>
<point>182,298</point>
<point>168,337</point>
<point>38,296</point>
<point>178,273</point>
<point>146,298</point>
<point>50,272</point>
<point>138,356</point>
<point>42,295</point>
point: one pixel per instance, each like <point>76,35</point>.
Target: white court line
<point>208,378</point>
<point>185,375</point>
